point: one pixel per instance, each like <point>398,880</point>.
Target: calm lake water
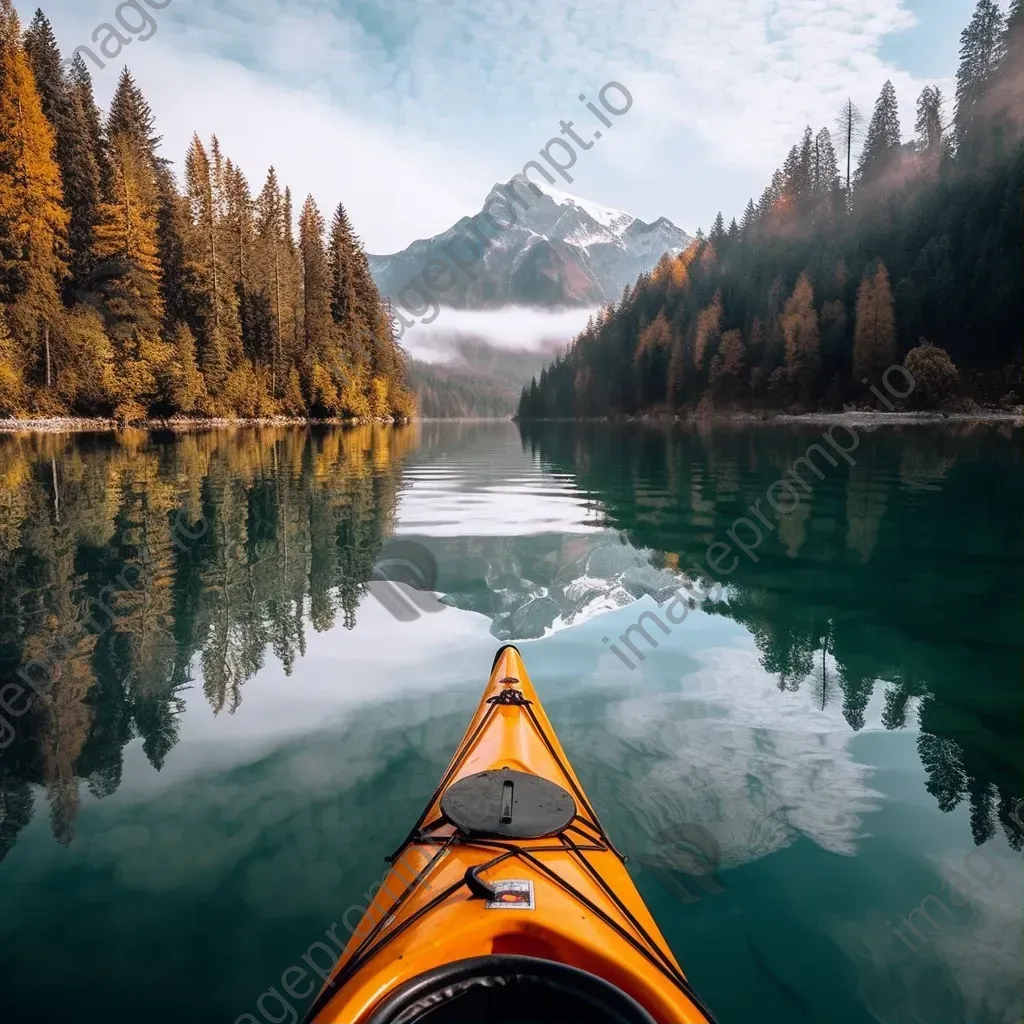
<point>241,729</point>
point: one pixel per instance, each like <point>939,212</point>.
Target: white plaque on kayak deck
<point>512,894</point>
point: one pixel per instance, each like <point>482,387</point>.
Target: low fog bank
<point>529,332</point>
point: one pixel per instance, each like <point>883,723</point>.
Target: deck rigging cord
<point>587,826</point>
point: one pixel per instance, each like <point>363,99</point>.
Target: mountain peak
<point>605,216</point>
<point>560,250</point>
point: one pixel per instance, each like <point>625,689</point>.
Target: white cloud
<point>410,112</point>
<point>396,184</point>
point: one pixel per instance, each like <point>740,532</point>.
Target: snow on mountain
<point>560,251</point>
<point>616,221</point>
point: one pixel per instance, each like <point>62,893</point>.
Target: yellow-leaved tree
<point>802,340</point>
<point>728,365</point>
<point>33,221</point>
<point>709,325</point>
<point>12,381</point>
<point>874,332</point>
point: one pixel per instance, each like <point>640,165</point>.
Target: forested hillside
<point>133,290</point>
<point>444,392</point>
<point>837,272</point>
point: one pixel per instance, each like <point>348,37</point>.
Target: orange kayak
<point>507,901</point>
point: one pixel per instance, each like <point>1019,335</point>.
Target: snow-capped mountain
<point>560,251</point>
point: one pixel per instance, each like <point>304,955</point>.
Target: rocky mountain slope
<point>561,251</point>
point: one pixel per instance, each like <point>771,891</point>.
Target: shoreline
<point>102,425</point>
<point>873,417</point>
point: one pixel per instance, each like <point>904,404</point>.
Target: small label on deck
<point>512,894</point>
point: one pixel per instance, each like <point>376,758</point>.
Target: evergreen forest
<point>866,250</point>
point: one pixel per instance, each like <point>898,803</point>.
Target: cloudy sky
<point>409,110</point>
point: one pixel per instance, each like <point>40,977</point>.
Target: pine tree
<point>33,221</point>
<point>850,127</point>
<point>791,195</point>
<point>371,343</point>
<point>239,225</point>
<point>219,337</point>
<point>358,325</point>
<point>342,252</point>
<point>653,348</point>
<point>981,49</point>
<point>270,274</point>
<point>128,252</point>
<point>182,284</point>
<point>127,230</point>
<point>64,108</point>
<point>317,323</point>
<point>776,202</point>
<point>225,293</point>
<point>749,221</point>
<point>129,265</point>
<point>199,191</point>
<point>874,332</point>
<point>931,131</point>
<point>295,326</point>
<point>256,326</point>
<point>131,117</point>
<point>803,187</point>
<point>825,186</point>
<point>80,85</point>
<point>1006,95</point>
<point>883,136</point>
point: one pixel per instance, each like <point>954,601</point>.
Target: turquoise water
<point>227,753</point>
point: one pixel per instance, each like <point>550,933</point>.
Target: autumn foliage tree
<point>33,220</point>
<point>874,332</point>
<point>707,332</point>
<point>728,365</point>
<point>800,329</point>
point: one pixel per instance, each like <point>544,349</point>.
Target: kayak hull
<point>450,896</point>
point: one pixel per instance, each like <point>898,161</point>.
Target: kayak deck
<point>527,871</point>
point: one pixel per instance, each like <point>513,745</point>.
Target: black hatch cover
<point>507,803</point>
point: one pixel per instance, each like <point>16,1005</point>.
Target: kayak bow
<point>507,901</point>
